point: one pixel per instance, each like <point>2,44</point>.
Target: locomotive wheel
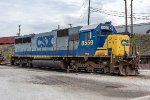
<point>29,63</point>
<point>123,70</point>
<point>90,69</point>
<point>132,71</point>
<point>75,68</point>
<point>106,69</point>
<point>20,63</point>
<point>126,70</point>
<point>12,62</point>
<point>16,62</point>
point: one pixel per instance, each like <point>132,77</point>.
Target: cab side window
<point>87,35</point>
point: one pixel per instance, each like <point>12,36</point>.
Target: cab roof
<point>89,27</point>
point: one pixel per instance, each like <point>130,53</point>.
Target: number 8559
<point>89,42</point>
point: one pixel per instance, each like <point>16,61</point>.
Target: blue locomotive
<point>92,48</point>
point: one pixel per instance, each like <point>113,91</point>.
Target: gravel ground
<point>37,84</point>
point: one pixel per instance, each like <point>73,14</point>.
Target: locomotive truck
<point>94,48</point>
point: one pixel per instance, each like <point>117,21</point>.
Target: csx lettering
<point>125,42</point>
<point>44,41</point>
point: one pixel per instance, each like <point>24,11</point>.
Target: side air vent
<point>62,33</point>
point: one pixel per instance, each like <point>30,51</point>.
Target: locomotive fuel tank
<point>48,63</point>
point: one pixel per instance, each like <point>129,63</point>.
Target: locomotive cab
<point>93,37</point>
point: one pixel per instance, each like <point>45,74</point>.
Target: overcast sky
<point>37,16</point>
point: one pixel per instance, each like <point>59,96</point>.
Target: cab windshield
<point>106,32</point>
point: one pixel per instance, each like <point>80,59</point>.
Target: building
<point>142,28</point>
<point>7,48</point>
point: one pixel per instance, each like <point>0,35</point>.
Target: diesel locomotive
<point>94,48</point>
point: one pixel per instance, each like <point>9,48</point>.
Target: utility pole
<point>126,17</point>
<point>89,12</point>
<point>58,27</point>
<point>131,17</point>
<point>19,30</point>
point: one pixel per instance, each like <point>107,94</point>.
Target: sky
<point>36,16</point>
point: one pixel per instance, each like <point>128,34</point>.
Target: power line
<point>121,13</point>
<point>142,13</point>
<point>84,4</point>
<point>136,16</point>
<point>118,14</point>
